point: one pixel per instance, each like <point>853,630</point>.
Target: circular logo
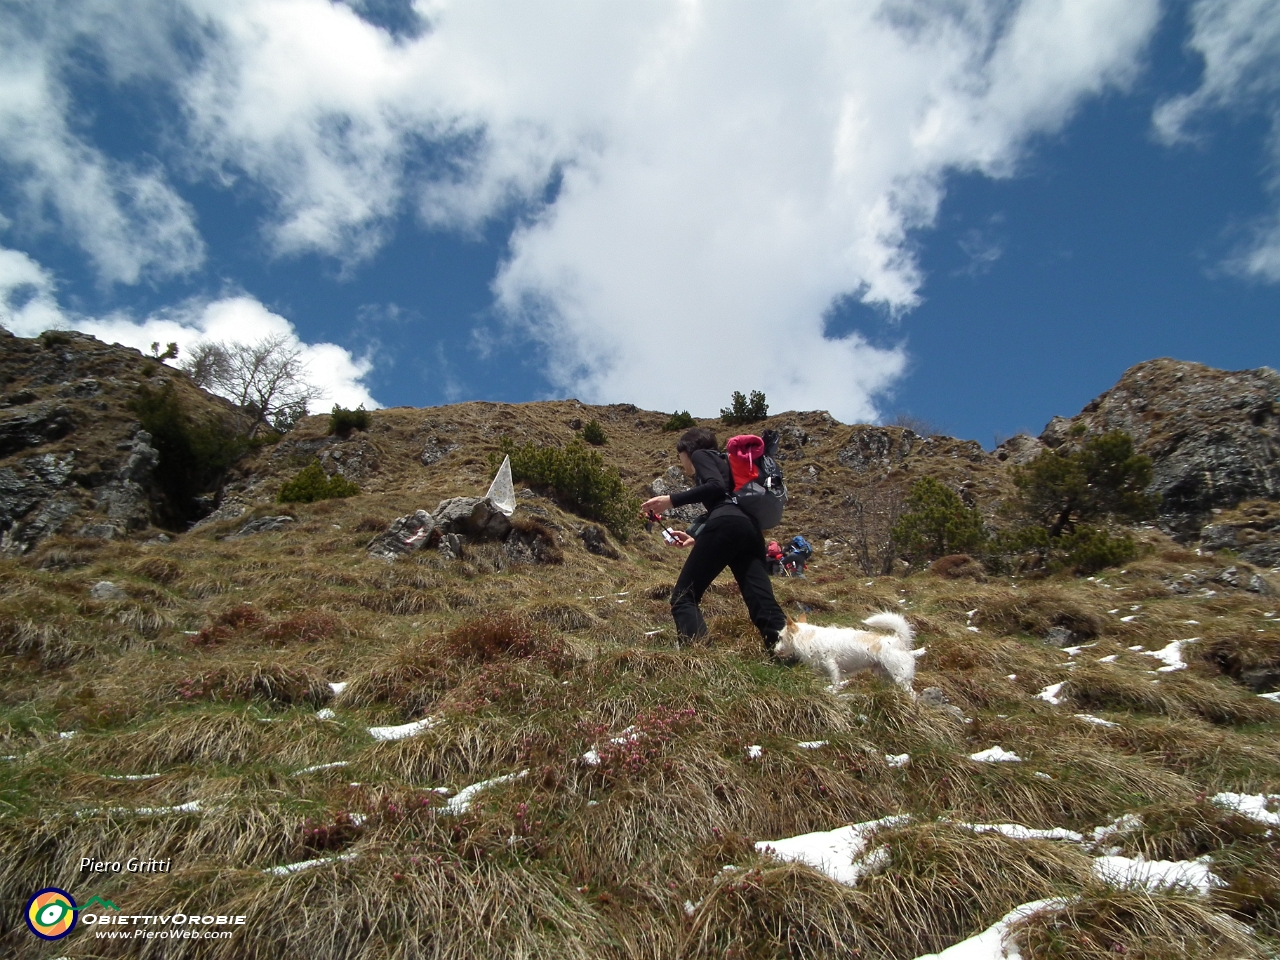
<point>51,914</point>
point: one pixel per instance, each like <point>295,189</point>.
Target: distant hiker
<point>726,537</point>
<point>773,558</point>
<point>796,557</point>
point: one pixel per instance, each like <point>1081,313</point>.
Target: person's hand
<point>681,539</point>
<point>657,505</point>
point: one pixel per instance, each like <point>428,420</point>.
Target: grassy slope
<point>575,860</point>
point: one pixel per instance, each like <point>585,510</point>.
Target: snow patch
<point>1050,693</point>
<point>1252,805</point>
<point>1153,875</point>
<point>461,801</point>
<point>841,854</point>
<point>995,754</point>
<point>403,730</point>
<point>285,869</point>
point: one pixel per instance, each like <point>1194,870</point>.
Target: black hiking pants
<point>730,539</point>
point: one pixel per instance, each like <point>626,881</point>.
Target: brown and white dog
<point>843,650</point>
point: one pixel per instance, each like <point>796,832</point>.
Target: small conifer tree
<point>936,523</point>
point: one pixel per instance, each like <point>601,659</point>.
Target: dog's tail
<point>895,624</point>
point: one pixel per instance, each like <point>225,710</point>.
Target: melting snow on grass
<point>1050,693</point>
<point>897,759</point>
<point>322,766</point>
<point>461,801</point>
<point>996,754</point>
<point>812,744</point>
<point>1153,875</point>
<point>1171,655</point>
<point>841,854</point>
<point>1252,805</point>
<point>403,730</point>
<point>992,943</point>
<point>1096,721</point>
<point>337,688</point>
<point>287,868</point>
<point>755,752</point>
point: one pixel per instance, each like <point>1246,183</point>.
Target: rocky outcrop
<point>876,450</point>
<point>406,535</point>
<point>1213,435</point>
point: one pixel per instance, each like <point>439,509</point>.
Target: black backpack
<point>763,498</point>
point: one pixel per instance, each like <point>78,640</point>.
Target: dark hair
<point>699,438</point>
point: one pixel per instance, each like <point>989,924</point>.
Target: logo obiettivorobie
<point>51,913</point>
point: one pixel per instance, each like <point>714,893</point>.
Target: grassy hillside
<point>194,719</point>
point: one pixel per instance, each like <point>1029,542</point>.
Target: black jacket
<point>714,484</point>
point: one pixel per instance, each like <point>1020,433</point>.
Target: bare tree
<point>873,511</point>
<point>266,379</point>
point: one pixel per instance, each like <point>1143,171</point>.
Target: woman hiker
<point>727,538</point>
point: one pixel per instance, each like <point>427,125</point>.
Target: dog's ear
<point>804,618</point>
<point>791,624</point>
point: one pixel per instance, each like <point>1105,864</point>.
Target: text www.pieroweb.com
<point>171,927</point>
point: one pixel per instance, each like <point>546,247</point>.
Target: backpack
<point>801,546</point>
<point>759,490</point>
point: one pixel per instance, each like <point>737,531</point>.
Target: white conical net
<point>502,492</point>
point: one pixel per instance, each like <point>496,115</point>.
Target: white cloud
<point>128,220</point>
<point>241,319</point>
<point>28,299</point>
<point>728,173</point>
<point>1240,43</point>
<point>29,306</point>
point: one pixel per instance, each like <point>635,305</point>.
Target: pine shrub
<point>312,484</point>
<point>744,410</point>
<point>594,434</point>
<point>1090,549</point>
<point>680,420</point>
<point>342,421</point>
<point>936,523</point>
<point>578,478</point>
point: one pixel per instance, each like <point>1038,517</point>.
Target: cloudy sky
<point>976,213</point>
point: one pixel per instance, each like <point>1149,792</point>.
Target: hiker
<point>726,537</point>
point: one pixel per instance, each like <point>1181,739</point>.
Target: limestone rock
<point>34,426</point>
<point>1213,435</point>
<point>674,481</point>
<point>106,590</point>
<point>597,541</point>
<point>405,535</point>
<point>1019,450</point>
<point>262,525</point>
<point>473,517</point>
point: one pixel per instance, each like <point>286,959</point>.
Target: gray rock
<point>935,698</point>
<point>262,525</point>
<point>877,448</point>
<point>1218,536</point>
<point>1229,577</point>
<point>34,426</point>
<point>451,546</point>
<point>1213,436</point>
<point>405,535</point>
<point>1257,584</point>
<point>474,517</point>
<point>1061,637</point>
<point>674,481</point>
<point>1265,554</point>
<point>435,451</point>
<point>100,531</point>
<point>597,541</point>
<point>106,590</point>
<point>1019,450</point>
<point>1262,680</point>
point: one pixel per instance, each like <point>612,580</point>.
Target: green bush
<point>1090,549</point>
<point>680,420</point>
<point>311,485</point>
<point>594,434</point>
<point>578,478</point>
<point>742,410</point>
<point>343,421</point>
<point>1102,478</point>
<point>194,454</point>
<point>936,523</point>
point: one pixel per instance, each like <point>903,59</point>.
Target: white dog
<point>843,650</point>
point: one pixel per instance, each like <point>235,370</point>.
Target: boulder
<point>405,535</point>
<point>597,541</point>
<point>476,517</point>
<point>262,525</point>
<point>106,590</point>
<point>674,481</point>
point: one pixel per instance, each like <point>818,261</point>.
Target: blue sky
<point>975,212</point>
